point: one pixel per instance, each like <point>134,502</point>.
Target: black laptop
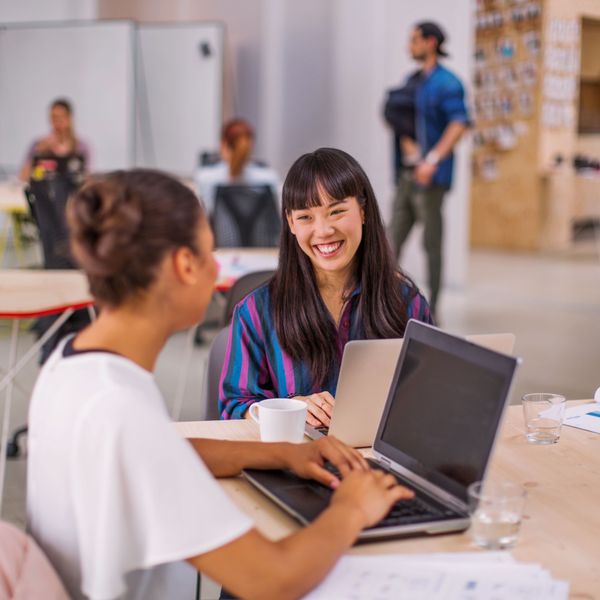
<point>49,165</point>
<point>436,435</point>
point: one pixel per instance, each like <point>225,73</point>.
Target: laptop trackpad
<point>308,499</point>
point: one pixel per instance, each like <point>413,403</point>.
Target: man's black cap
<point>430,29</point>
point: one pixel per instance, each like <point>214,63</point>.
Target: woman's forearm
<point>227,458</point>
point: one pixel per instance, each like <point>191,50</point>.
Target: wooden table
<point>28,294</point>
<point>561,525</point>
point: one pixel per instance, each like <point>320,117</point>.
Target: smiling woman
<point>336,282</point>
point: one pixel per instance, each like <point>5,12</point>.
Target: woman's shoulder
<point>257,300</point>
<point>213,173</point>
<point>408,287</point>
<point>418,307</point>
<point>260,173</point>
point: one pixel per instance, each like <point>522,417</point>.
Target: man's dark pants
<point>413,203</point>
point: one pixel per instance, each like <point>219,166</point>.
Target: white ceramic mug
<point>280,419</point>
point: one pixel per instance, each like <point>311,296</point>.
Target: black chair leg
<point>12,447</point>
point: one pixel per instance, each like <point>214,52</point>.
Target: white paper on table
<point>389,577</point>
<point>584,416</point>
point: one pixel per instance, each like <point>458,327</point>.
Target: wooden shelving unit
<point>520,197</point>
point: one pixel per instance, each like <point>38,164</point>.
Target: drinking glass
<point>544,414</point>
<point>496,510</point>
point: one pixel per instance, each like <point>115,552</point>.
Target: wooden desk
<point>34,293</point>
<point>561,526</point>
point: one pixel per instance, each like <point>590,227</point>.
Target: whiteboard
<point>179,81</point>
<point>92,64</point>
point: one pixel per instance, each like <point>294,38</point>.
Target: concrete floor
<point>551,303</point>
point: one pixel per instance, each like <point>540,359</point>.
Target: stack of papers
<point>584,416</point>
<point>456,576</point>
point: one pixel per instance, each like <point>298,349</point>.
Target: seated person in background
<point>237,139</point>
<point>336,281</point>
<point>115,496</point>
<point>62,140</point>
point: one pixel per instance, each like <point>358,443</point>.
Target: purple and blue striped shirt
<point>256,367</point>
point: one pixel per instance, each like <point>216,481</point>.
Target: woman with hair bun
<point>336,281</point>
<point>118,500</point>
<point>236,166</point>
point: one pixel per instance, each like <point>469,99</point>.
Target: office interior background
<point>522,224</point>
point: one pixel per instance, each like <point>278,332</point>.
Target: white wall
<point>21,11</point>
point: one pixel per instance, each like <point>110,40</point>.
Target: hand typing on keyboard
<point>372,492</point>
<point>309,460</point>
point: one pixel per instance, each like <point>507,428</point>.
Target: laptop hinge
<point>421,483</point>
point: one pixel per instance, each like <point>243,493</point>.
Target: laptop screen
<point>444,408</point>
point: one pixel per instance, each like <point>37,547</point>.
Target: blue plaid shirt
<point>439,101</point>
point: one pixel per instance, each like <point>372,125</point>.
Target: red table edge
<point>45,312</point>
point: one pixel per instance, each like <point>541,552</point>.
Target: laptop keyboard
<point>404,512</point>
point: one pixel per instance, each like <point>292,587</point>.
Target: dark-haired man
<point>425,163</point>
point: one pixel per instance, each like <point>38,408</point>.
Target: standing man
<point>424,153</point>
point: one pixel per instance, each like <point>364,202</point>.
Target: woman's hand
<point>372,493</point>
<point>320,408</point>
<point>308,460</point>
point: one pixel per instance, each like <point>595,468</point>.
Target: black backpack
<point>399,109</point>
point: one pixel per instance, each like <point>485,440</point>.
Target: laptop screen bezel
<point>502,364</point>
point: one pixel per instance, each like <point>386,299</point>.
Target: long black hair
<point>303,324</point>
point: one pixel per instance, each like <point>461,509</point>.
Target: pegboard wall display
<point>506,80</point>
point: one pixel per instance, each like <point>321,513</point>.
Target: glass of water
<point>544,414</point>
<point>496,510</point>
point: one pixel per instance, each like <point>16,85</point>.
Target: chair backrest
<point>216,357</point>
<point>242,287</point>
<point>245,216</point>
<point>47,200</point>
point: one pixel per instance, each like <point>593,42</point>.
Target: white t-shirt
<point>209,177</point>
<point>115,496</point>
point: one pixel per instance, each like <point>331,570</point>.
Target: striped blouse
<point>256,367</point>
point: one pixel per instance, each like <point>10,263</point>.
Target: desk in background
<point>26,294</point>
<point>236,262</point>
<point>561,526</point>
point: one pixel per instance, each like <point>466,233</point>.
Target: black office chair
<point>245,216</point>
<point>47,199</point>
<point>216,358</point>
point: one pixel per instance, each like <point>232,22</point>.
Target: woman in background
<point>236,166</point>
<point>116,497</point>
<point>61,141</point>
<point>336,281</point>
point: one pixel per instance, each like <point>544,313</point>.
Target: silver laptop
<point>364,381</point>
<point>436,435</point>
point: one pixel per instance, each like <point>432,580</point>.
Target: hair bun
<point>104,217</point>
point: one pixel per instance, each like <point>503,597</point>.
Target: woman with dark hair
<point>115,496</point>
<point>336,281</point>
<point>62,140</point>
<point>236,166</point>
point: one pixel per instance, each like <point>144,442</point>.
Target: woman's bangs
<point>301,192</point>
<point>326,174</point>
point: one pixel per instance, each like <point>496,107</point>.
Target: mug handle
<point>254,416</point>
